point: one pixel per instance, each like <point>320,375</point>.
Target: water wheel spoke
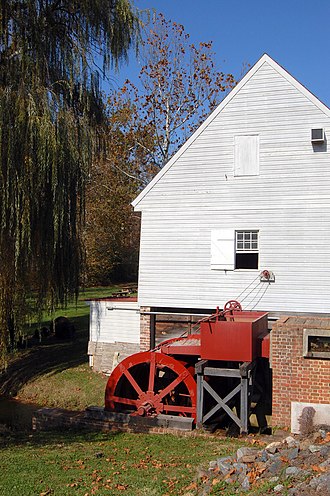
<point>132,381</point>
<point>145,382</point>
<point>152,372</point>
<point>178,408</point>
<point>124,401</point>
<point>181,377</point>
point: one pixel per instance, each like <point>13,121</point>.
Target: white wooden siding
<point>114,321</point>
<point>288,203</point>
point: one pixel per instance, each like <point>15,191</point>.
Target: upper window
<point>247,250</point>
<point>246,155</point>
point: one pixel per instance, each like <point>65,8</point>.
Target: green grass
<point>132,464</point>
<point>76,388</point>
<point>54,373</point>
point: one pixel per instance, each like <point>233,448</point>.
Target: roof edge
<point>264,58</point>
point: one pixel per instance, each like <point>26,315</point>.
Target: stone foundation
<point>97,419</point>
<point>105,356</point>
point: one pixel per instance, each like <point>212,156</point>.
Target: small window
<point>247,250</point>
<point>316,343</point>
<point>246,156</point>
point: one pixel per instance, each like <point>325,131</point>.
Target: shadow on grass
<point>56,437</point>
<point>49,356</point>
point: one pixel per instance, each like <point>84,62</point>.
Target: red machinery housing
<point>164,380</point>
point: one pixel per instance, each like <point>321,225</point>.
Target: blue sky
<point>296,33</point>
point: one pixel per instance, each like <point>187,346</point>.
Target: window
<point>246,156</point>
<point>246,253</point>
<point>232,249</point>
<point>316,343</point>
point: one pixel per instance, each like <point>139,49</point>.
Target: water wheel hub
<point>149,383</point>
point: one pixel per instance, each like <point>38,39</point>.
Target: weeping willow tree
<point>50,109</point>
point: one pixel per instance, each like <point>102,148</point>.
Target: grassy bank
<point>132,464</point>
<point>54,373</point>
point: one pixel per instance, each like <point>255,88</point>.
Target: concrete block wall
<point>105,356</point>
<point>296,378</point>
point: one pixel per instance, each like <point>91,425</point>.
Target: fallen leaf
<point>326,439</point>
<point>316,468</point>
<point>191,486</point>
<point>215,481</point>
<point>121,487</point>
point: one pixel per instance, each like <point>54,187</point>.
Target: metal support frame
<point>244,373</point>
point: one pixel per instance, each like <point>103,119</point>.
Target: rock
<point>248,458</point>
<point>278,488</point>
<point>323,433</point>
<point>275,466</point>
<point>273,447</point>
<point>306,420</point>
<point>325,464</point>
<point>314,448</point>
<point>325,451</point>
<point>245,484</point>
<point>225,464</point>
<point>274,479</point>
<point>240,468</point>
<point>201,473</point>
<point>293,491</point>
<point>321,483</point>
<point>316,437</point>
<point>261,466</point>
<point>292,471</point>
<point>291,442</point>
<point>230,480</point>
<point>290,454</point>
<point>246,451</point>
<point>213,464</point>
<point>264,456</point>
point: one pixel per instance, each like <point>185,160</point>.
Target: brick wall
<point>296,378</point>
<point>145,329</point>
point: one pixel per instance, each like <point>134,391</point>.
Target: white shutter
<point>246,156</point>
<point>223,249</point>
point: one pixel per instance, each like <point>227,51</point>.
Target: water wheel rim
<point>147,399</point>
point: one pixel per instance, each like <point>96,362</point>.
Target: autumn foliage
<point>178,87</point>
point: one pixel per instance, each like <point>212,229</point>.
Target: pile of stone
<point>295,466</point>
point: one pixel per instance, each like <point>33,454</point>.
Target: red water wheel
<point>150,383</point>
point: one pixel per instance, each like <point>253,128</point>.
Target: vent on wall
<point>317,135</point>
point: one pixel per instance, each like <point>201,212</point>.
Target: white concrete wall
<point>112,321</point>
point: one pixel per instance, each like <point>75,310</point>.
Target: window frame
<point>246,242</point>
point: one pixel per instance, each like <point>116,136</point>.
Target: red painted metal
<point>162,380</point>
<point>235,338</point>
<point>188,346</point>
<point>149,383</point>
<point>265,346</point>
<point>232,305</point>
